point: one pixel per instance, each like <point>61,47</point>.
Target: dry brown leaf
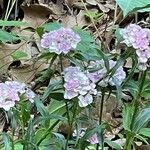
<point>92,2</point>
<point>69,21</point>
<point>103,8</point>
<point>5,55</point>
<point>26,72</point>
<point>81,21</point>
<point>36,15</point>
<point>56,8</point>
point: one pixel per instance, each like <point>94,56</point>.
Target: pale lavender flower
<point>136,36</point>
<point>85,100</point>
<point>77,84</point>
<point>60,41</point>
<point>30,95</point>
<point>10,92</point>
<point>101,72</point>
<point>139,39</point>
<point>93,139</point>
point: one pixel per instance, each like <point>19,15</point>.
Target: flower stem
<point>135,107</point>
<point>100,118</point>
<point>136,100</point>
<point>69,123</point>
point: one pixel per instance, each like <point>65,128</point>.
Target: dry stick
<point>16,9</point>
<point>92,22</point>
<point>115,14</point>
<point>136,17</point>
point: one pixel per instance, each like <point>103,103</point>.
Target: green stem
<point>136,102</point>
<point>66,104</point>
<point>128,145</point>
<point>69,123</point>
<point>100,118</point>
<point>13,133</point>
<point>47,133</point>
<point>135,106</point>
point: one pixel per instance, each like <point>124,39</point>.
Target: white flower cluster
<point>10,92</point>
<point>77,84</point>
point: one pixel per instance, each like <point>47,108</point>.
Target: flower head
<point>93,139</point>
<point>60,41</point>
<point>139,39</point>
<point>101,72</point>
<point>10,92</point>
<point>78,84</point>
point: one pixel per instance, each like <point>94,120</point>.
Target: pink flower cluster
<point>101,72</point>
<point>10,92</point>
<point>60,41</point>
<point>77,84</point>
<point>139,39</point>
<point>93,139</point>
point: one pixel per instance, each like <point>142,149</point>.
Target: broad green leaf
<point>40,107</point>
<point>48,117</point>
<point>146,89</point>
<point>56,107</point>
<point>141,138</point>
<point>51,26</point>
<point>19,54</point>
<point>132,5</point>
<point>145,132</point>
<point>6,140</point>
<point>54,86</point>
<point>60,140</point>
<point>12,23</point>
<point>7,37</point>
<point>142,119</point>
<point>29,137</point>
<point>17,146</point>
<point>127,117</point>
<point>40,31</point>
<point>84,35</point>
<point>113,144</point>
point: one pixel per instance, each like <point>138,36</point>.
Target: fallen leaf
<point>36,15</point>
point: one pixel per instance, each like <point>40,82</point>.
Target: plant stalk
<point>135,106</point>
<point>100,119</point>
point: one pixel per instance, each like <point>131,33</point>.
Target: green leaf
<point>29,137</point>
<point>60,139</point>
<point>12,23</point>
<point>40,107</point>
<point>40,31</point>
<point>56,107</point>
<point>146,89</point>
<point>132,5</point>
<point>145,132</point>
<point>142,119</point>
<point>49,117</point>
<point>7,37</point>
<point>113,144</point>
<point>141,138</point>
<point>84,35</point>
<point>51,88</point>
<point>127,116</point>
<point>18,54</point>
<point>52,26</point>
<point>6,140</point>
